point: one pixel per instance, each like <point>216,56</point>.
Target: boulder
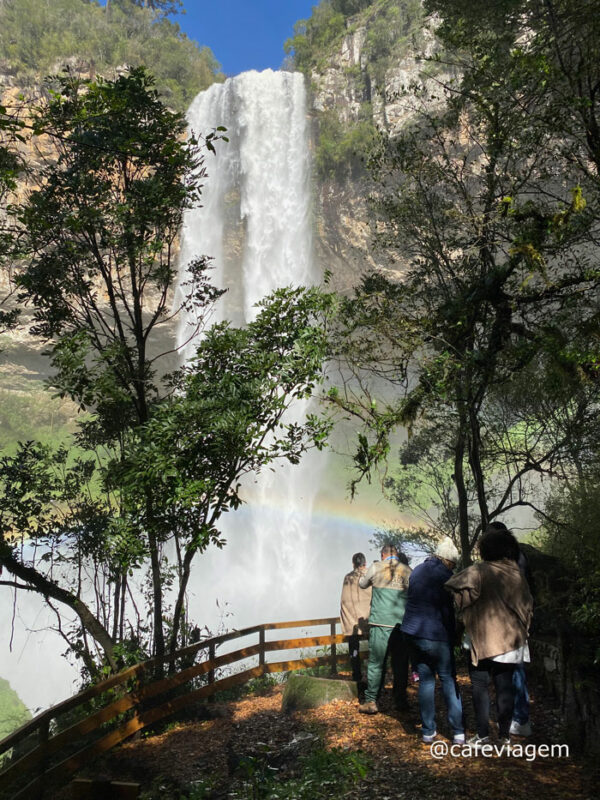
<point>304,691</point>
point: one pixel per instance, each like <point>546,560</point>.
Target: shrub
<point>571,532</point>
<point>342,148</point>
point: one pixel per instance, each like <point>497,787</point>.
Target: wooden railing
<point>50,748</point>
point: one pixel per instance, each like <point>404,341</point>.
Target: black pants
<point>399,650</point>
<point>354,651</point>
<point>502,676</point>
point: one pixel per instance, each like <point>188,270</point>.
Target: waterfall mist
<point>256,224</point>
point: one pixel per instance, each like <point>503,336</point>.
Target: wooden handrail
<point>145,667</point>
<point>135,698</point>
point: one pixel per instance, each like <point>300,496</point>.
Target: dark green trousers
<point>384,643</point>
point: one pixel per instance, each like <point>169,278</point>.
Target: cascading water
<point>255,216</point>
<point>255,222</point>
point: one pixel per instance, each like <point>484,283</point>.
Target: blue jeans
<point>431,657</point>
<point>521,708</point>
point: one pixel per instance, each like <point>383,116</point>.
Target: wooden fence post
<point>211,671</point>
<point>211,657</point>
<point>261,642</point>
<point>333,650</point>
<point>43,736</point>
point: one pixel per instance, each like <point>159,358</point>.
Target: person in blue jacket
<point>430,625</point>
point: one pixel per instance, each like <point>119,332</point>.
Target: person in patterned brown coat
<point>354,612</point>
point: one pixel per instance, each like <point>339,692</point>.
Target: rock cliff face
<point>346,86</point>
<point>346,83</point>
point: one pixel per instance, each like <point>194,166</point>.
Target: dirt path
<point>214,752</point>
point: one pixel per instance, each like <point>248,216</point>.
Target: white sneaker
<point>477,742</point>
<point>429,738</point>
<point>520,730</point>
<point>458,738</point>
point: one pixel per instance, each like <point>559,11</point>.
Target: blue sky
<point>244,34</point>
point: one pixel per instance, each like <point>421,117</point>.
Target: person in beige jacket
<point>354,612</point>
<point>496,606</point>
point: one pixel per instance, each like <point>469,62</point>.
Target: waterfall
<point>255,216</point>
<point>255,222</point>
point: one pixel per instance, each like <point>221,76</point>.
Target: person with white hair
<point>430,624</point>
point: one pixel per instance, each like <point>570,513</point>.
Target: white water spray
<point>255,223</point>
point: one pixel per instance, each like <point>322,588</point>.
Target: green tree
<point>11,167</point>
<point>164,6</point>
<point>227,418</point>
<point>570,531</point>
<point>314,35</point>
<point>164,453</point>
<point>349,7</point>
<point>101,234</point>
<point>484,209</point>
<point>48,502</point>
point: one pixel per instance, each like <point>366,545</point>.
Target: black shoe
<point>402,704</point>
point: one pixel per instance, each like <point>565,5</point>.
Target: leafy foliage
<point>488,210</point>
<point>35,36</point>
<point>11,168</point>
<point>107,215</point>
<point>571,531</point>
<point>313,36</point>
<point>342,147</point>
<point>227,418</point>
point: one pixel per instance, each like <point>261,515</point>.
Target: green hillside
<point>36,36</point>
<point>13,712</point>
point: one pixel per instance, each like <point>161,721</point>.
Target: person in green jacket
<point>389,579</point>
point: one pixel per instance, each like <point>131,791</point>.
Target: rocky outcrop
<point>306,691</point>
<point>347,82</point>
<point>390,94</point>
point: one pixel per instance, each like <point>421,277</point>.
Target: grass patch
<point>30,412</point>
<point>322,774</point>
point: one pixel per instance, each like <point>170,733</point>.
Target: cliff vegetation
<point>37,36</point>
<point>379,33</point>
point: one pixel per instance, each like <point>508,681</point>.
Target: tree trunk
<point>461,491</point>
<point>475,465</point>
<point>159,637</point>
<point>178,611</point>
<point>50,589</point>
